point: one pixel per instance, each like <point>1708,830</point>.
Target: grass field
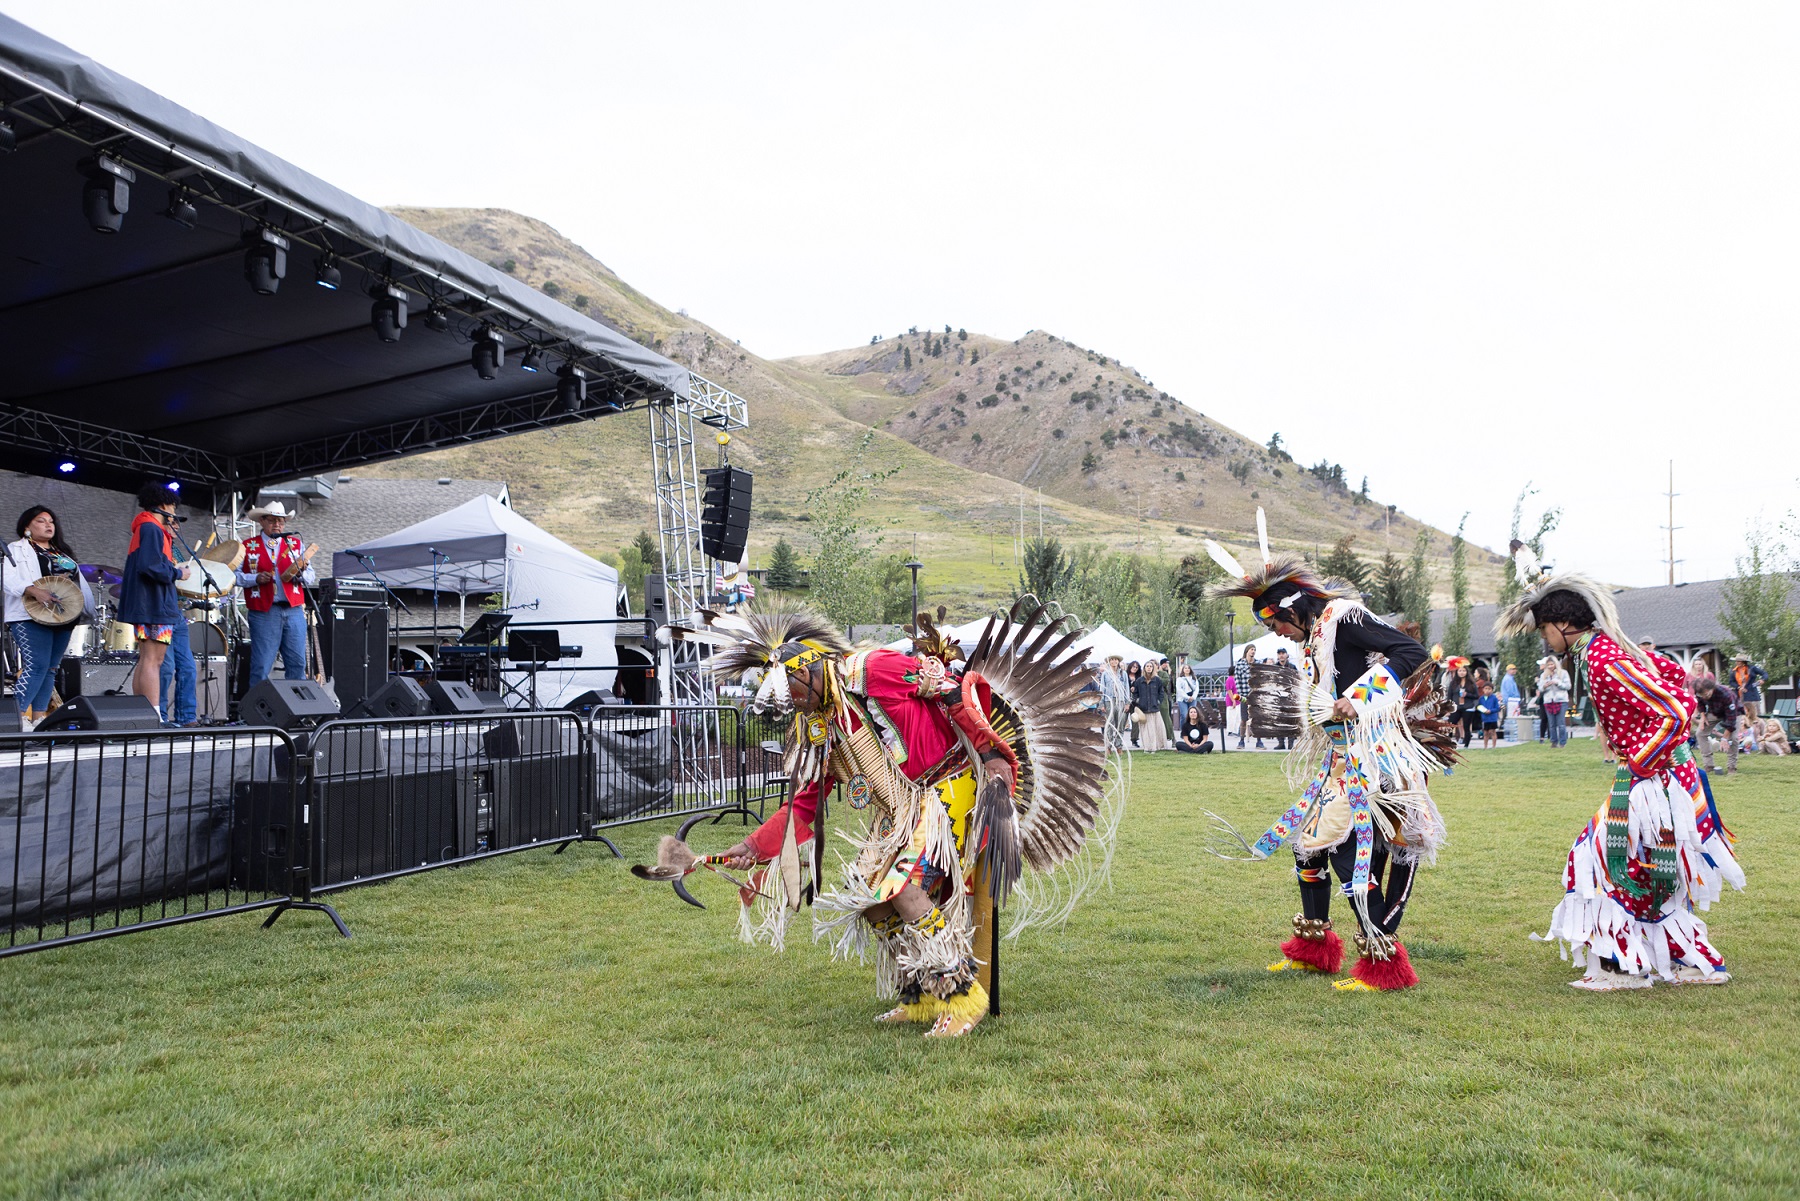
<point>548,1026</point>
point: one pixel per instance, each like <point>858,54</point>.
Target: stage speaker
<point>78,677</point>
<point>451,697</point>
<point>354,642</point>
<point>11,720</point>
<point>261,837</point>
<point>535,799</point>
<point>399,697</point>
<point>656,603</point>
<point>492,702</point>
<point>102,712</point>
<point>522,736</point>
<point>725,515</point>
<point>288,704</point>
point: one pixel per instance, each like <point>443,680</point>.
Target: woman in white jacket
<point>1187,695</point>
<point>40,551</point>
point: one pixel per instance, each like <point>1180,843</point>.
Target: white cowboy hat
<point>272,509</point>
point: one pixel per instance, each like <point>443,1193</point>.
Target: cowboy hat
<point>272,509</point>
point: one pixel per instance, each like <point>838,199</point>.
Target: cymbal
<point>104,580</point>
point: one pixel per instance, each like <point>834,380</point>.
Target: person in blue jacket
<point>147,599</point>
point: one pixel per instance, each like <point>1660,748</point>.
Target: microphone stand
<point>438,557</point>
<point>369,566</point>
<point>210,591</point>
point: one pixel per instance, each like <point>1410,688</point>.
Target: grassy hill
<point>1161,478</point>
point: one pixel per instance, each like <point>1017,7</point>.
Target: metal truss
<point>675,425</point>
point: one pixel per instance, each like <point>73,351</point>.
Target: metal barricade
<point>102,833</point>
<point>660,761</point>
<point>390,797</point>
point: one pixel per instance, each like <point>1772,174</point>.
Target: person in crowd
<point>1718,710</point>
<point>1489,707</point>
<point>1195,737</point>
<point>1281,661</point>
<point>1115,694</point>
<point>1749,680</point>
<point>1656,853</point>
<point>1553,699</point>
<point>41,553</point>
<point>1134,674</point>
<point>1463,692</point>
<point>1512,700</point>
<point>1772,738</point>
<point>1166,674</point>
<point>1241,669</point>
<point>1151,694</point>
<point>1187,692</point>
<point>147,597</point>
<point>1232,701</point>
<point>276,567</point>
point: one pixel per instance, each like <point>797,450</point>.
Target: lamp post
<point>913,565</point>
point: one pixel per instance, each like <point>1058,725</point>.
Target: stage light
<point>175,485</point>
<point>106,197</point>
<point>533,360</point>
<point>571,388</point>
<point>488,354</point>
<point>437,318</point>
<point>326,273</point>
<point>67,467</point>
<point>265,262</point>
<point>388,313</point>
<point>610,402</point>
<point>181,209</point>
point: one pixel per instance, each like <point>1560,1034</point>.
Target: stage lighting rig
<point>106,197</point>
<point>610,400</point>
<point>67,466</point>
<point>181,209</point>
<point>265,262</point>
<point>388,313</point>
<point>437,318</point>
<point>571,388</point>
<point>533,360</point>
<point>488,354</point>
<point>326,272</point>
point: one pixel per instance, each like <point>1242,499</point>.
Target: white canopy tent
<point>1103,642</point>
<point>485,547</point>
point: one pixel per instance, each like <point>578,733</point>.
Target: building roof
<point>1678,615</point>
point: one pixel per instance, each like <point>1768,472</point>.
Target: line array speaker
<point>725,517</point>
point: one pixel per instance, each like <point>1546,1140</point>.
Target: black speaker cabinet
<point>491,702</point>
<point>103,712</point>
<point>262,837</point>
<point>451,697</point>
<point>288,704</point>
<point>536,800</point>
<point>401,696</point>
<point>525,736</point>
<point>354,642</point>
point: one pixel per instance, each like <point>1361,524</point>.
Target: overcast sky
<point>1454,247</point>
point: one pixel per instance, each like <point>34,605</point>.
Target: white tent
<point>1103,642</point>
<point>966,635</point>
<point>1219,662</point>
<point>486,547</point>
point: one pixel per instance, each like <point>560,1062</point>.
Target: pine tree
<point>1758,612</point>
<point>784,567</point>
<point>1418,585</point>
<point>1343,564</point>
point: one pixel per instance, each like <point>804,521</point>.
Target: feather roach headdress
<point>1276,581</point>
<point>777,639</point>
<point>1520,617</point>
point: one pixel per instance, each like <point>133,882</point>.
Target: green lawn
<point>544,1026</point>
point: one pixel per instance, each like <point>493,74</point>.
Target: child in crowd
<point>1489,705</point>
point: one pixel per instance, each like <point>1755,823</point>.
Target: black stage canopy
<point>148,352</point>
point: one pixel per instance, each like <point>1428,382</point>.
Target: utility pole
<point>1672,527</point>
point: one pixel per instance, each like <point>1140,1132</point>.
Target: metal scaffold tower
<point>676,428</point>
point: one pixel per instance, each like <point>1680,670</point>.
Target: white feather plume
<point>1525,562</point>
<point>1262,536</point>
<point>1224,559</point>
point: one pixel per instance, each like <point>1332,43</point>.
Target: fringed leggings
<point>1387,905</point>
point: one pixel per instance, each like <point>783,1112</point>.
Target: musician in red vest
<point>274,570</point>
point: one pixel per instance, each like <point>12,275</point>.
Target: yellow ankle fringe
<point>971,1005</point>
